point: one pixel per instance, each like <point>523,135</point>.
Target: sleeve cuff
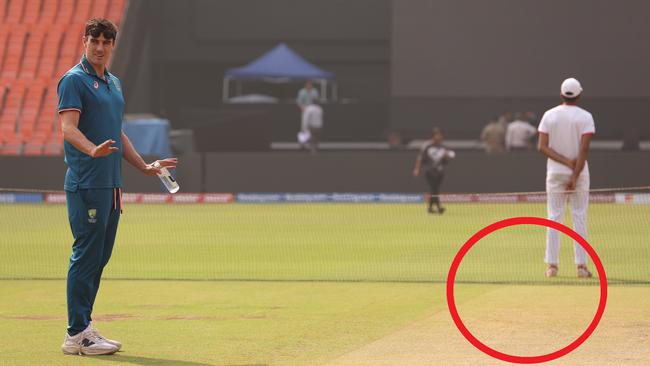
<point>69,109</point>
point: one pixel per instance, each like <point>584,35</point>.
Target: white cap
<point>571,88</point>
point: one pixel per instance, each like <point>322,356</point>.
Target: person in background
<point>394,140</point>
<point>492,137</point>
<point>432,159</point>
<point>312,125</point>
<point>519,134</point>
<point>531,117</point>
<point>307,95</point>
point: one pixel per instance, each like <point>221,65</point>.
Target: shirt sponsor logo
<point>95,84</point>
<point>92,215</point>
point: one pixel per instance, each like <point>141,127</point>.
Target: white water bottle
<point>166,178</point>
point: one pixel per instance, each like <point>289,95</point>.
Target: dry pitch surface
<point>550,320</point>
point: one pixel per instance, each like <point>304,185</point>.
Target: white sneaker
<point>583,272</point>
<point>95,332</point>
<point>86,343</point>
<point>551,271</point>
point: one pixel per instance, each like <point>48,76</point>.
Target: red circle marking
<point>526,221</point>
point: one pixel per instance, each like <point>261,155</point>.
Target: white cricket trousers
<point>556,204</point>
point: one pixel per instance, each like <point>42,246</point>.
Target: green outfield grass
<point>314,282</point>
<point>356,242</point>
<point>198,323</point>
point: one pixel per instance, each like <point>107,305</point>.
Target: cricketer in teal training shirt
<point>91,106</point>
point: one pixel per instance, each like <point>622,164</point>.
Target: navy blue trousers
<point>94,215</point>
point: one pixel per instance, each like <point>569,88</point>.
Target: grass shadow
<point>149,361</point>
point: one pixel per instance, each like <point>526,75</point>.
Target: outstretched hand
<point>154,168</point>
<point>103,149</point>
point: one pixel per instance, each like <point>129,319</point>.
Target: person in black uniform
<point>432,158</point>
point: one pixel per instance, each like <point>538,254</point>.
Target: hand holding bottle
<point>159,167</point>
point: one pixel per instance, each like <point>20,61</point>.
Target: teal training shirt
<point>101,106</point>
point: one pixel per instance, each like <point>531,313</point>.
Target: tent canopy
<point>281,62</point>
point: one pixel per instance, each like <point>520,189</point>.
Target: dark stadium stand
<point>39,41</point>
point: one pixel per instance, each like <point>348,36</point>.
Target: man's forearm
<point>73,136</point>
<point>581,160</point>
<point>418,162</point>
<point>131,155</point>
<point>580,163</point>
<point>552,154</point>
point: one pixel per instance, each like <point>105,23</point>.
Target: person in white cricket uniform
<point>565,133</point>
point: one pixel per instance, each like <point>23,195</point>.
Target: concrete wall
<point>456,63</point>
<point>524,48</point>
<point>388,171</point>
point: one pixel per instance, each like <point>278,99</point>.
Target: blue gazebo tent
<point>279,65</point>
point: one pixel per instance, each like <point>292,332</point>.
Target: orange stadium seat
<point>45,123</point>
<point>65,12</point>
<point>4,89</point>
<point>32,55</point>
<point>14,51</point>
<point>71,49</point>
<point>32,149</point>
<point>27,130</point>
<point>115,11</point>
<point>11,142</point>
<point>35,142</point>
<point>32,59</point>
<point>14,12</point>
<point>4,38</point>
<point>99,8</point>
<point>7,131</point>
<point>32,105</point>
<point>32,12</point>
<point>83,11</point>
<point>54,146</point>
<point>50,53</point>
<point>48,113</point>
<point>48,110</point>
<point>48,13</point>
<point>13,104</point>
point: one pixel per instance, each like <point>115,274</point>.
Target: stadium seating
<point>39,41</point>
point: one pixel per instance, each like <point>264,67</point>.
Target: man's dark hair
<point>565,99</point>
<point>97,26</point>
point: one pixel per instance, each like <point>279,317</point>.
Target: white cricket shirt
<point>565,125</point>
<point>518,134</point>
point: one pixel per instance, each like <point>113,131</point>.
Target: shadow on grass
<point>149,361</point>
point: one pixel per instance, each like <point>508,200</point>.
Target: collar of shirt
<point>88,69</point>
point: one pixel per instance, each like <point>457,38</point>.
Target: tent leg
<point>323,89</point>
<point>225,89</point>
<point>335,91</point>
